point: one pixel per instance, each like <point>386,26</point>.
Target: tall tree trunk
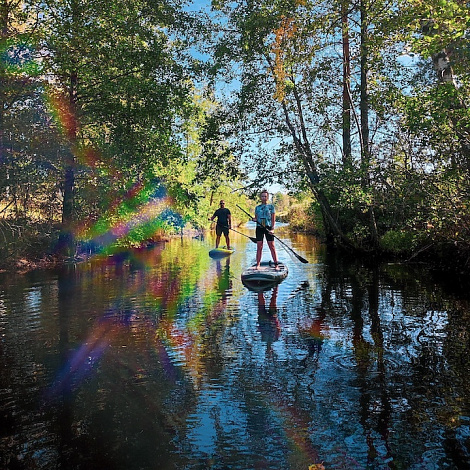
<point>364,108</point>
<point>332,229</point>
<point>4,19</point>
<point>67,241</point>
<point>347,161</point>
<point>364,103</point>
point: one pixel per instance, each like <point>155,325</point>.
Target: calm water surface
<point>162,359</point>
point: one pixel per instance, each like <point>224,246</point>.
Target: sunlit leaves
<point>284,33</point>
<point>439,24</point>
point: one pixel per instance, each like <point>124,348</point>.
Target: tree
<point>122,87</point>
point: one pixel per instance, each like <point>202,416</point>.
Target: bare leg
<point>273,251</point>
<point>227,241</point>
<point>259,251</point>
<point>272,302</point>
<point>217,241</point>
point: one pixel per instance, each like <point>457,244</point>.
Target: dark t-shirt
<point>222,216</point>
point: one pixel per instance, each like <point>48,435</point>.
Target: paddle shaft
<point>253,239</point>
<point>300,258</point>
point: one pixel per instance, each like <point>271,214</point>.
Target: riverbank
<point>24,265</point>
<point>33,248</point>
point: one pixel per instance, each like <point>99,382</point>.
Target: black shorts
<point>219,230</point>
<point>261,232</point>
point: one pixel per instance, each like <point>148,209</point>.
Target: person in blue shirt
<point>224,224</point>
<point>265,218</point>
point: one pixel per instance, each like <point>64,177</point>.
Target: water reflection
<point>161,358</point>
<point>223,275</point>
<point>269,325</point>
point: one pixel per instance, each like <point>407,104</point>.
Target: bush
<point>304,218</point>
<point>398,241</point>
<point>24,238</point>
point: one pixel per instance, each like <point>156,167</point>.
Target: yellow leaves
<point>285,32</point>
<point>316,466</point>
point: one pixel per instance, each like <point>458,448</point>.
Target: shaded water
<point>164,360</point>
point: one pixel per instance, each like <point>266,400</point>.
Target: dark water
<point>162,359</point>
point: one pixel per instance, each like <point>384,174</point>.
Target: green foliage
<point>303,215</point>
<point>118,109</point>
<point>398,241</point>
<point>415,175</point>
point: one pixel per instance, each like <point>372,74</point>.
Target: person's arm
<point>213,217</point>
<point>273,219</point>
<point>229,220</point>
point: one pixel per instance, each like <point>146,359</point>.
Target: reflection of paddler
<point>223,275</point>
<point>268,322</point>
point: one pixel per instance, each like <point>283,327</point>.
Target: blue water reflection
<point>162,359</point>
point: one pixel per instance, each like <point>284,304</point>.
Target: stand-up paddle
<point>253,239</point>
<point>300,258</point>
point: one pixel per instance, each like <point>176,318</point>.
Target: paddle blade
<point>302,260</point>
<point>253,239</point>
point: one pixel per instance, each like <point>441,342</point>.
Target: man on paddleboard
<point>224,224</point>
<point>265,218</point>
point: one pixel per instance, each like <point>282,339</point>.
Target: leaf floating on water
<point>316,466</point>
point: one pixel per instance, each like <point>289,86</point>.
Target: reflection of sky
<point>33,298</point>
<point>215,411</point>
<point>226,427</point>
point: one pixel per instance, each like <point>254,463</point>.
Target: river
<point>162,359</point>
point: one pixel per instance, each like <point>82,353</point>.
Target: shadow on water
<point>162,359</point>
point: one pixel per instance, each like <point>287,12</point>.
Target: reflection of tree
<point>378,360</point>
<point>398,326</point>
<point>358,289</point>
<point>194,327</point>
<point>66,289</point>
<point>110,393</point>
<point>374,399</point>
<point>312,331</point>
<point>430,331</point>
<point>94,381</point>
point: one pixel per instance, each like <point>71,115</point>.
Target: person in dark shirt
<point>224,224</point>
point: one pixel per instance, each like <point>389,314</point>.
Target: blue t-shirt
<point>263,214</point>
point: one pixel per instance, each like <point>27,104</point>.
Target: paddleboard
<point>267,273</point>
<point>220,252</point>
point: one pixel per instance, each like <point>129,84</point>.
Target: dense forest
<point>125,120</point>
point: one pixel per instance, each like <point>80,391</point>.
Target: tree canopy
<point>391,176</point>
<point>111,107</point>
